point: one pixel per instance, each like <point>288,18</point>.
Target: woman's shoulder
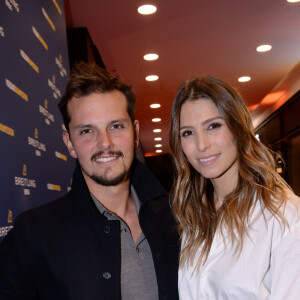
<point>291,208</point>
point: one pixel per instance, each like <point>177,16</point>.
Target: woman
<point>238,219</point>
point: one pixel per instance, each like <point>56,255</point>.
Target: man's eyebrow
<point>118,120</point>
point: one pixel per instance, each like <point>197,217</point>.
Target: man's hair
<point>88,78</point>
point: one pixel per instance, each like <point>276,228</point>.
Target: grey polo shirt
<point>138,279</point>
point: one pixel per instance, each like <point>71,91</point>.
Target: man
<point>112,236</point>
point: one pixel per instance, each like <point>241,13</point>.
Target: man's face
<point>102,137</point>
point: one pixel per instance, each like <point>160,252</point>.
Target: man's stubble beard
<point>104,179</point>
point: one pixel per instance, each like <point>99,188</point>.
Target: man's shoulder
<point>53,210</point>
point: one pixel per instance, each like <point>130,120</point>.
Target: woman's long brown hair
<point>257,178</point>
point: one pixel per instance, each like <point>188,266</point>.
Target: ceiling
<point>192,38</point>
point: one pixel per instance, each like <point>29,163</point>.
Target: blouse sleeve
<point>285,256</point>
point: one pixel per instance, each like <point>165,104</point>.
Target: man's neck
<point>114,198</point>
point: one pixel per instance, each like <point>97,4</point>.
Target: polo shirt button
<point>107,229</point>
<point>106,275</point>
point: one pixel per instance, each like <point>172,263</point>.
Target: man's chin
<point>109,181</point>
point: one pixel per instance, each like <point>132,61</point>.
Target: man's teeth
<point>105,159</point>
<point>208,159</point>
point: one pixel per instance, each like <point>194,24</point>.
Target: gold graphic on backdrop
<point>60,58</point>
<point>38,36</point>
<point>53,187</point>
<point>29,61</point>
<point>46,104</point>
<point>48,19</point>
<point>53,79</point>
<point>15,89</point>
<point>61,156</point>
<point>2,31</point>
<point>36,133</point>
<point>9,216</point>
<point>24,171</point>
<point>57,6</point>
<point>7,129</point>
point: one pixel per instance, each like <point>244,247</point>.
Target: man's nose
<point>104,141</point>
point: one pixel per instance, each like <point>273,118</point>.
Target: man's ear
<point>68,143</point>
<point>136,129</point>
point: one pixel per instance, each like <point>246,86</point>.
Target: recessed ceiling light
<point>155,105</point>
<point>158,151</point>
<point>158,145</point>
<point>151,56</point>
<point>156,119</point>
<point>156,130</point>
<point>157,139</point>
<point>147,9</point>
<point>244,79</point>
<point>263,48</point>
<point>151,78</point>
<point>293,1</point>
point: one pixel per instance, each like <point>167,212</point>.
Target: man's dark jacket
<point>67,250</point>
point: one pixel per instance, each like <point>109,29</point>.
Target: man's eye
<point>117,126</point>
<point>186,133</point>
<point>214,126</point>
<point>85,131</point>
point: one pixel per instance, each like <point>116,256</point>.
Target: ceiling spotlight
<point>158,151</point>
<point>264,48</point>
<point>156,120</point>
<point>157,139</point>
<point>151,78</point>
<point>156,130</point>
<point>151,56</point>
<point>244,79</point>
<point>158,145</point>
<point>147,9</point>
<point>293,1</point>
<point>155,105</point>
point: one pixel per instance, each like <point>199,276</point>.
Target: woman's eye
<point>214,126</point>
<point>186,133</point>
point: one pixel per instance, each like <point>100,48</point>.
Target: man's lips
<point>103,156</point>
<point>106,159</point>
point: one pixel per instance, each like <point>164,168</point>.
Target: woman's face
<point>206,140</point>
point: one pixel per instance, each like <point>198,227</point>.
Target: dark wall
<point>281,131</point>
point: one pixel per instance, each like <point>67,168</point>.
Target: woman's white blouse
<point>267,268</point>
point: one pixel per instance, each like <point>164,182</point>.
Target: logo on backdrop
<point>29,61</point>
<point>56,91</point>
<point>36,144</point>
<point>2,31</point>
<point>7,129</point>
<point>58,61</point>
<point>15,89</point>
<point>39,37</point>
<point>12,4</point>
<point>48,19</point>
<point>57,6</point>
<point>25,182</point>
<point>4,230</point>
<point>9,216</point>
<point>45,112</point>
<point>61,156</point>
